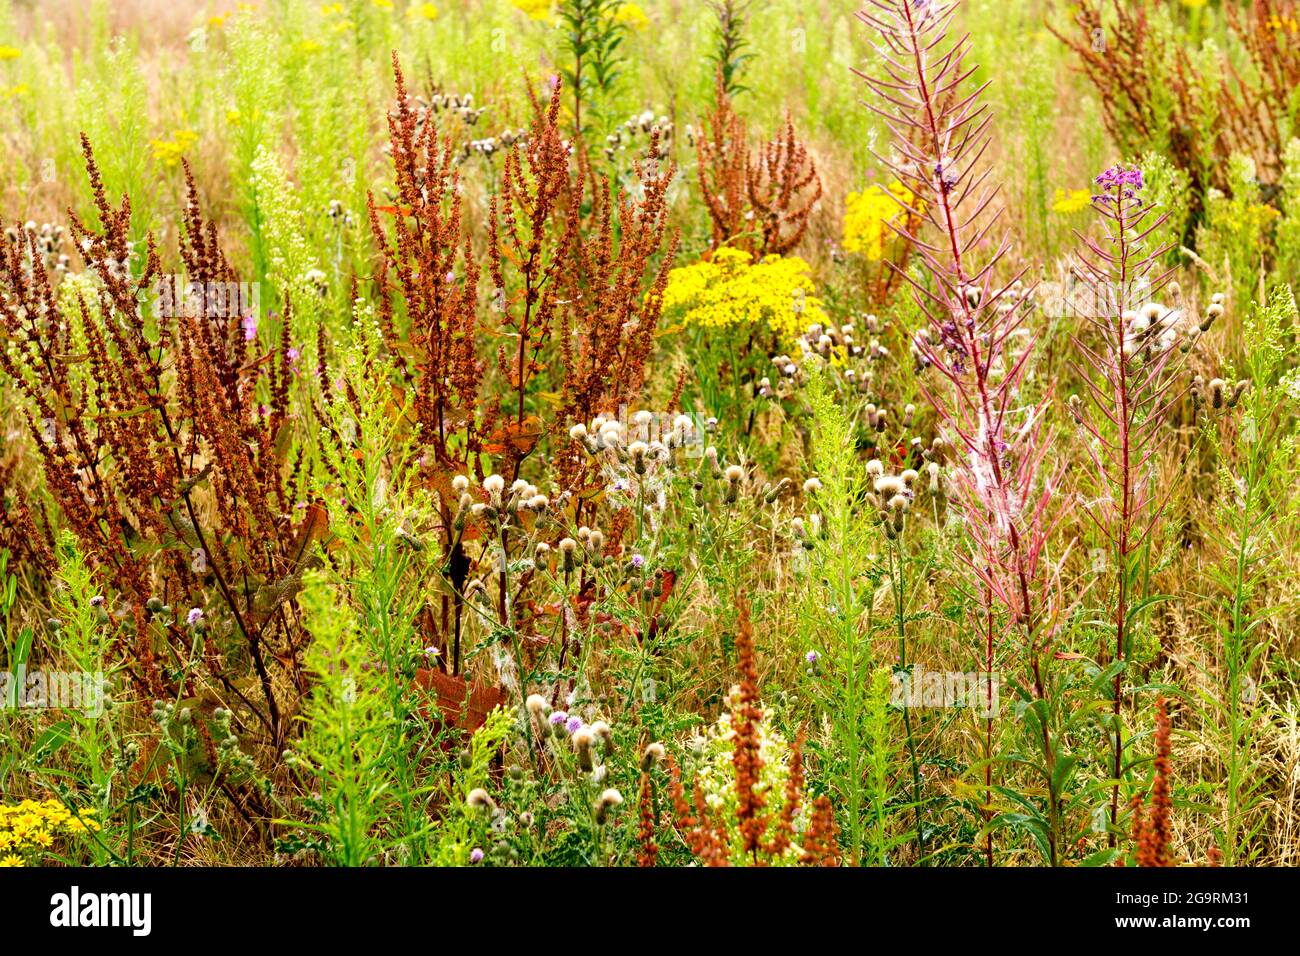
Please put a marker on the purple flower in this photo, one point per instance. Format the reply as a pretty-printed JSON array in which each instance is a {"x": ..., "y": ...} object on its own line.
[
  {"x": 811, "y": 657},
  {"x": 1119, "y": 181},
  {"x": 476, "y": 855},
  {"x": 194, "y": 617},
  {"x": 249, "y": 323},
  {"x": 558, "y": 716},
  {"x": 573, "y": 724},
  {"x": 638, "y": 561}
]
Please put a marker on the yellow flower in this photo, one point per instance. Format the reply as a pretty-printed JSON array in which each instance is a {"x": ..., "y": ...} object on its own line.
[
  {"x": 731, "y": 289},
  {"x": 218, "y": 22},
  {"x": 170, "y": 151},
  {"x": 1194, "y": 4},
  {"x": 308, "y": 46},
  {"x": 1072, "y": 201},
  {"x": 233, "y": 117},
  {"x": 536, "y": 9},
  {"x": 425, "y": 11},
  {"x": 867, "y": 216},
  {"x": 10, "y": 53},
  {"x": 12, "y": 92},
  {"x": 12, "y": 860},
  {"x": 632, "y": 15},
  {"x": 383, "y": 4},
  {"x": 343, "y": 26},
  {"x": 331, "y": 9}
]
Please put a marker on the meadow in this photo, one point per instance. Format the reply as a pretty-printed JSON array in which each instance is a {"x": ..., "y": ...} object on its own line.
[{"x": 530, "y": 433}]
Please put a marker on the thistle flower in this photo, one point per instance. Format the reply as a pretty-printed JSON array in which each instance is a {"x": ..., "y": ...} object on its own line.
[
  {"x": 609, "y": 799},
  {"x": 568, "y": 553},
  {"x": 582, "y": 741},
  {"x": 653, "y": 754},
  {"x": 480, "y": 799}
]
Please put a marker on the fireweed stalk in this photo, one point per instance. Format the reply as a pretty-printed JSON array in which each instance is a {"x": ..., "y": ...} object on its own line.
[
  {"x": 940, "y": 135},
  {"x": 1130, "y": 391}
]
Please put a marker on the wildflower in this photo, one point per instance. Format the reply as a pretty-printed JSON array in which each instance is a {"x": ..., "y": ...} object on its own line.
[
  {"x": 868, "y": 215},
  {"x": 609, "y": 799},
  {"x": 249, "y": 325},
  {"x": 170, "y": 151},
  {"x": 536, "y": 9},
  {"x": 1075, "y": 200},
  {"x": 480, "y": 799},
  {"x": 494, "y": 485},
  {"x": 573, "y": 724},
  {"x": 602, "y": 730},
  {"x": 423, "y": 11},
  {"x": 633, "y": 16},
  {"x": 476, "y": 855},
  {"x": 194, "y": 617},
  {"x": 568, "y": 552},
  {"x": 536, "y": 704},
  {"x": 558, "y": 717},
  {"x": 812, "y": 486},
  {"x": 10, "y": 53},
  {"x": 654, "y": 753},
  {"x": 1119, "y": 182},
  {"x": 582, "y": 741},
  {"x": 812, "y": 657},
  {"x": 732, "y": 289}
]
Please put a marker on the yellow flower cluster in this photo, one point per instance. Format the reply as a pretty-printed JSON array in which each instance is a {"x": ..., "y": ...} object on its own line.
[
  {"x": 536, "y": 9},
  {"x": 1283, "y": 24},
  {"x": 10, "y": 53},
  {"x": 169, "y": 151},
  {"x": 868, "y": 214},
  {"x": 731, "y": 288},
  {"x": 29, "y": 827},
  {"x": 631, "y": 15},
  {"x": 1071, "y": 201}
]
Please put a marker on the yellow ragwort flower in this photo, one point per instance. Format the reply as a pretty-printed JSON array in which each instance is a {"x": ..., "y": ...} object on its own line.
[
  {"x": 536, "y": 9},
  {"x": 1072, "y": 201},
  {"x": 731, "y": 289},
  {"x": 867, "y": 216}
]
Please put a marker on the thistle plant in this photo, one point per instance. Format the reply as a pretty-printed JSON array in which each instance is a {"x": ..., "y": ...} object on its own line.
[{"x": 976, "y": 341}]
